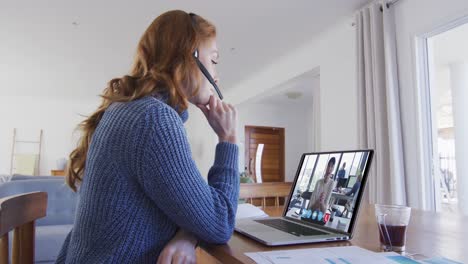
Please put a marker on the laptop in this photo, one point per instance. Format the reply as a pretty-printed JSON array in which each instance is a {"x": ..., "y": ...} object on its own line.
[{"x": 316, "y": 209}]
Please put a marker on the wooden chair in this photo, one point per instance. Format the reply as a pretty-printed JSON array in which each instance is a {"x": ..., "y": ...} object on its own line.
[
  {"x": 19, "y": 213},
  {"x": 265, "y": 190}
]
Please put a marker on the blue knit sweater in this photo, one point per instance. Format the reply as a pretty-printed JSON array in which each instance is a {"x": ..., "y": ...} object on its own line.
[{"x": 141, "y": 184}]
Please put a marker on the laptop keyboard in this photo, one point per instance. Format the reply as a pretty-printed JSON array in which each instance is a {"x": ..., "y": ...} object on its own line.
[{"x": 291, "y": 228}]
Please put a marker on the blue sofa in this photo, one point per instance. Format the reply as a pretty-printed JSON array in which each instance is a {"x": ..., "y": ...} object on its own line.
[
  {"x": 61, "y": 204},
  {"x": 20, "y": 177}
]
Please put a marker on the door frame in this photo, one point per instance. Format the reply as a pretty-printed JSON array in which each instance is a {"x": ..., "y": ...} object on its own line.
[{"x": 282, "y": 157}]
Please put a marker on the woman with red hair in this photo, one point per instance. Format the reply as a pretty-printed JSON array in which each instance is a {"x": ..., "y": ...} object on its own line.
[{"x": 141, "y": 196}]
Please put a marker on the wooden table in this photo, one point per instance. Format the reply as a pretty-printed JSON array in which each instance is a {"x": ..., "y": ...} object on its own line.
[
  {"x": 57, "y": 172},
  {"x": 429, "y": 234}
]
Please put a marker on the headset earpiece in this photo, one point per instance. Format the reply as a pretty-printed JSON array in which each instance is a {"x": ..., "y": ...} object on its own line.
[{"x": 207, "y": 74}]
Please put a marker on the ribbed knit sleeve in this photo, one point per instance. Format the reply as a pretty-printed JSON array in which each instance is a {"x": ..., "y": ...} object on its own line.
[{"x": 170, "y": 177}]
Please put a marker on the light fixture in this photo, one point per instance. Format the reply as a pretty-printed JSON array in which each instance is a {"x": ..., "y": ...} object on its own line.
[{"x": 293, "y": 95}]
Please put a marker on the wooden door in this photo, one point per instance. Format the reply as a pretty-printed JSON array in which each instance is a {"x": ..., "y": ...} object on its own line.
[{"x": 272, "y": 164}]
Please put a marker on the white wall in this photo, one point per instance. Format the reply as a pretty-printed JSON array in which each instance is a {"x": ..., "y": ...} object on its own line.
[
  {"x": 297, "y": 122},
  {"x": 292, "y": 118},
  {"x": 58, "y": 117},
  {"x": 414, "y": 18},
  {"x": 314, "y": 116},
  {"x": 333, "y": 51}
]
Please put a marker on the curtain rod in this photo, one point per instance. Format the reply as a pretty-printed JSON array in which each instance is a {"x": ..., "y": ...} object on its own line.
[
  {"x": 388, "y": 5},
  {"x": 392, "y": 3}
]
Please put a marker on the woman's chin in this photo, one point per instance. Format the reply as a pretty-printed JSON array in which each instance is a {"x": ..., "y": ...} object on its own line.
[
  {"x": 205, "y": 100},
  {"x": 199, "y": 101}
]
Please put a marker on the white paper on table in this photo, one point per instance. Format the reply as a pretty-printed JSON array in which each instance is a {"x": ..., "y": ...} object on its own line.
[
  {"x": 348, "y": 254},
  {"x": 247, "y": 210},
  {"x": 388, "y": 254},
  {"x": 439, "y": 260}
]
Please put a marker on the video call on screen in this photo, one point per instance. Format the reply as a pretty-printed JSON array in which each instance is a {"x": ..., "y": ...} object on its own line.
[{"x": 327, "y": 188}]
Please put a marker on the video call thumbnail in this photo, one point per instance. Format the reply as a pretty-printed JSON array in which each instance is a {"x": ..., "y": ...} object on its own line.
[{"x": 327, "y": 188}]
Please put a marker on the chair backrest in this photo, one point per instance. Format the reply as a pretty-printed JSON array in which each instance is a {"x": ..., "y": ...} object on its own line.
[
  {"x": 265, "y": 190},
  {"x": 19, "y": 213},
  {"x": 62, "y": 200}
]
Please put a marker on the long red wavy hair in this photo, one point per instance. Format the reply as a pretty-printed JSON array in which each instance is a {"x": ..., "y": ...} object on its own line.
[{"x": 163, "y": 65}]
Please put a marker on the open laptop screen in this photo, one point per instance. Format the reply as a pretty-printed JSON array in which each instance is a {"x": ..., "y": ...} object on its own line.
[{"x": 328, "y": 188}]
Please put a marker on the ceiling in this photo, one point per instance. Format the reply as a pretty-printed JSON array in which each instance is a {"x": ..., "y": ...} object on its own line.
[
  {"x": 72, "y": 48},
  {"x": 304, "y": 86},
  {"x": 450, "y": 46}
]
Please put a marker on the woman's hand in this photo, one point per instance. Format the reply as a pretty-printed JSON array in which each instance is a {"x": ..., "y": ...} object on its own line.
[
  {"x": 222, "y": 117},
  {"x": 180, "y": 250}
]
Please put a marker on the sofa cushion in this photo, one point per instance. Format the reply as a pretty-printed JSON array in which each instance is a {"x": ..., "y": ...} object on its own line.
[
  {"x": 5, "y": 178},
  {"x": 49, "y": 241},
  {"x": 51, "y": 230},
  {"x": 61, "y": 201}
]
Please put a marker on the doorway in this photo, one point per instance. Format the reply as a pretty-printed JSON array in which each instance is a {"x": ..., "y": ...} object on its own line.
[
  {"x": 443, "y": 64},
  {"x": 264, "y": 153}
]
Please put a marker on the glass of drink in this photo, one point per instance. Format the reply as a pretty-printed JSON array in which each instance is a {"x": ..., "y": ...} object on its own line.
[{"x": 392, "y": 221}]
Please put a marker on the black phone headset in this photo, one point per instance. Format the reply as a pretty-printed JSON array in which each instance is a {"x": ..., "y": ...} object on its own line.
[{"x": 202, "y": 67}]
